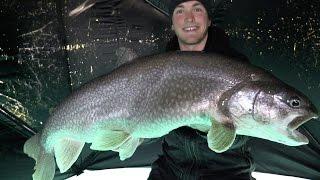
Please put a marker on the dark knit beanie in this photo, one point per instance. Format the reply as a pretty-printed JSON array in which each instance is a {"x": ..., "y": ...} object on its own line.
[{"x": 172, "y": 4}]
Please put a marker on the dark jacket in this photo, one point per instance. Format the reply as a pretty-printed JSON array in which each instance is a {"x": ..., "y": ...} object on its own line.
[{"x": 185, "y": 150}]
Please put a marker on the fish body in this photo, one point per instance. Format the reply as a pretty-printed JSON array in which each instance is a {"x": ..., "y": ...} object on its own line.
[{"x": 151, "y": 96}]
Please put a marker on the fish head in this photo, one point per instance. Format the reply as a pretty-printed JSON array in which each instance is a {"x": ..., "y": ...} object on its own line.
[{"x": 275, "y": 112}]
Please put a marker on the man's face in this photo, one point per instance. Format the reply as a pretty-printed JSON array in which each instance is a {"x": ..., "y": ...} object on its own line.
[{"x": 190, "y": 22}]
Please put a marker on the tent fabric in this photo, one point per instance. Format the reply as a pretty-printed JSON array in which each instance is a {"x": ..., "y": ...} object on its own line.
[{"x": 46, "y": 52}]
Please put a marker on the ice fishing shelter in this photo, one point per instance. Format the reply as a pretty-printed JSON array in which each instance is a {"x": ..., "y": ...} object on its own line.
[{"x": 50, "y": 48}]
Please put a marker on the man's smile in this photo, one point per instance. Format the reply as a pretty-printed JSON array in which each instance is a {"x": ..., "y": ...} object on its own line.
[{"x": 190, "y": 28}]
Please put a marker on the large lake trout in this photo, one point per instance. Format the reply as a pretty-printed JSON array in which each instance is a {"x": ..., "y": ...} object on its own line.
[{"x": 151, "y": 96}]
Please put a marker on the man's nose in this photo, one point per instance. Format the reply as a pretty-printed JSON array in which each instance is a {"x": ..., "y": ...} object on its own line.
[{"x": 189, "y": 17}]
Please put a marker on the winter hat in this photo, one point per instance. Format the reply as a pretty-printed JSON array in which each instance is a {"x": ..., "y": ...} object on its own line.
[{"x": 172, "y": 4}]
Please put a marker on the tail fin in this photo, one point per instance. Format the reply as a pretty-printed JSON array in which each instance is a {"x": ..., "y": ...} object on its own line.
[{"x": 45, "y": 164}]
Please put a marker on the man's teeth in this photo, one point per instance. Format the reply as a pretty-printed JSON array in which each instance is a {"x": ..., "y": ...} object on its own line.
[{"x": 190, "y": 28}]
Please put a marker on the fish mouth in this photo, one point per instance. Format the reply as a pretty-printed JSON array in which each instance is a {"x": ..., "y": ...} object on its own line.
[
  {"x": 298, "y": 121},
  {"x": 298, "y": 138},
  {"x": 296, "y": 135}
]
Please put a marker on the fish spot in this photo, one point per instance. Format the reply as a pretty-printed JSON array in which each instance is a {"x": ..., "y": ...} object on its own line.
[{"x": 254, "y": 77}]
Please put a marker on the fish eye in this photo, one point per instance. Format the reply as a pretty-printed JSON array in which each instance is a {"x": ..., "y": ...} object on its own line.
[{"x": 294, "y": 102}]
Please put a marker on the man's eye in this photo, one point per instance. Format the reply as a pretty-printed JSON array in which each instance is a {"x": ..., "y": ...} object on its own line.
[
  {"x": 179, "y": 11},
  {"x": 198, "y": 10}
]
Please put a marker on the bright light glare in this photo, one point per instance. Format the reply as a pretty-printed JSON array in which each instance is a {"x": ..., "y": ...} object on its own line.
[{"x": 143, "y": 173}]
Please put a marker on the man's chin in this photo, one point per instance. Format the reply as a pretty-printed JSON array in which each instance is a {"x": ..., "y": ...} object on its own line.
[{"x": 191, "y": 41}]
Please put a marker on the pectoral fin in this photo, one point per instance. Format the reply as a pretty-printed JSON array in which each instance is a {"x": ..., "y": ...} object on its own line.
[
  {"x": 114, "y": 140},
  {"x": 67, "y": 152},
  {"x": 221, "y": 136},
  {"x": 127, "y": 149},
  {"x": 108, "y": 140}
]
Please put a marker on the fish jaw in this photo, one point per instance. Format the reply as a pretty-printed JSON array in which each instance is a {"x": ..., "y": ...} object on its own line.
[
  {"x": 298, "y": 121},
  {"x": 289, "y": 137},
  {"x": 273, "y": 132},
  {"x": 283, "y": 136},
  {"x": 296, "y": 137},
  {"x": 290, "y": 134}
]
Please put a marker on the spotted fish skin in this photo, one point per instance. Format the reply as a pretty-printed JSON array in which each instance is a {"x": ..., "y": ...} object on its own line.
[
  {"x": 151, "y": 96},
  {"x": 144, "y": 91}
]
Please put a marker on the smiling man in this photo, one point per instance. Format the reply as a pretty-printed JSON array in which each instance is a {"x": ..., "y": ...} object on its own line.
[{"x": 190, "y": 22}]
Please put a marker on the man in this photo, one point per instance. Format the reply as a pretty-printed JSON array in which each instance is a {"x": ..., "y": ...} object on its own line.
[
  {"x": 190, "y": 22},
  {"x": 194, "y": 32},
  {"x": 185, "y": 151}
]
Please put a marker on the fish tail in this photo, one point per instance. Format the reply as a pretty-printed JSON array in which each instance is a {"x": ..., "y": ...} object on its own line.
[{"x": 45, "y": 164}]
